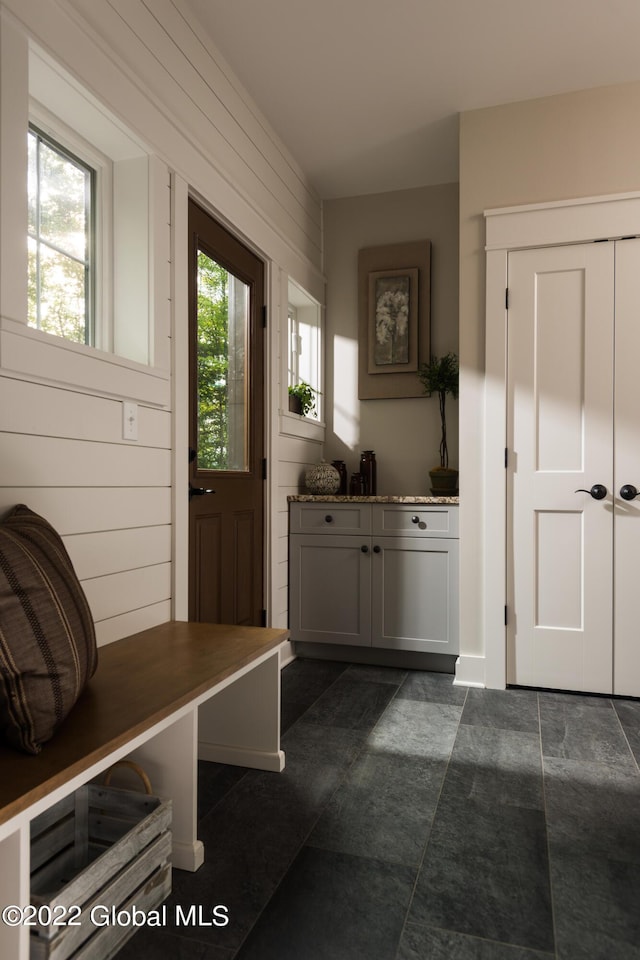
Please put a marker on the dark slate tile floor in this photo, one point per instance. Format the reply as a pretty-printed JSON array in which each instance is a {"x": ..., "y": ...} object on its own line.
[{"x": 416, "y": 820}]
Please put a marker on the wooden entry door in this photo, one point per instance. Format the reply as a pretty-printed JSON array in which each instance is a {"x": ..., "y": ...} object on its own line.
[
  {"x": 226, "y": 430},
  {"x": 574, "y": 537}
]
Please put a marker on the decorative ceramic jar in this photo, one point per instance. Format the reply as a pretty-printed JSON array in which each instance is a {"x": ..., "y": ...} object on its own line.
[{"x": 322, "y": 479}]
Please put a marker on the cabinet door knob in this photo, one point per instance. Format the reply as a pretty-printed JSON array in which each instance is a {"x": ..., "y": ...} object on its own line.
[
  {"x": 629, "y": 492},
  {"x": 377, "y": 549},
  {"x": 364, "y": 548},
  {"x": 328, "y": 518}
]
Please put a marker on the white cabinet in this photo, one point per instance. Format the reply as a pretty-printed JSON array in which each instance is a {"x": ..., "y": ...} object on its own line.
[{"x": 374, "y": 574}]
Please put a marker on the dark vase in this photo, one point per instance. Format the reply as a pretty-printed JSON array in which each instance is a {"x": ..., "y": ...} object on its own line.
[
  {"x": 369, "y": 472},
  {"x": 356, "y": 487},
  {"x": 341, "y": 467}
]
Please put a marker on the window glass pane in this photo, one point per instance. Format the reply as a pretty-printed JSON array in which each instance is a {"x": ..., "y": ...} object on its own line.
[
  {"x": 60, "y": 284},
  {"x": 62, "y": 202},
  {"x": 32, "y": 282},
  {"x": 222, "y": 335},
  {"x": 62, "y": 295},
  {"x": 33, "y": 182}
]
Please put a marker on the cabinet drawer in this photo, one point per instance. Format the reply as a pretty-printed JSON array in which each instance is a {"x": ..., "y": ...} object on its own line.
[
  {"x": 414, "y": 520},
  {"x": 330, "y": 518}
]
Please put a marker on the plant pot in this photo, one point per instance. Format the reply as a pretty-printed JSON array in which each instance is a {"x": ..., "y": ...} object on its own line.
[
  {"x": 444, "y": 482},
  {"x": 295, "y": 405}
]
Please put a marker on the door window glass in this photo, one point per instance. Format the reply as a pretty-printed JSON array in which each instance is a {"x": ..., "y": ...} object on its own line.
[{"x": 222, "y": 363}]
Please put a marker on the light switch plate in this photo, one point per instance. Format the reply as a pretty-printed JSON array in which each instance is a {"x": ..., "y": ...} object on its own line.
[{"x": 129, "y": 421}]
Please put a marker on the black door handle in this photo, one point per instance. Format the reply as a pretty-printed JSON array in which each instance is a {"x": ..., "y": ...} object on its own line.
[
  {"x": 629, "y": 492},
  {"x": 598, "y": 491},
  {"x": 198, "y": 491}
]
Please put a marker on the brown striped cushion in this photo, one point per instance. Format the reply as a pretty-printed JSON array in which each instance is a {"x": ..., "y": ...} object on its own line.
[{"x": 47, "y": 638}]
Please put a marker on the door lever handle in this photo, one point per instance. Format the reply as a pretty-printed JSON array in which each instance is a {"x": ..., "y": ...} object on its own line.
[
  {"x": 198, "y": 491},
  {"x": 598, "y": 491},
  {"x": 629, "y": 492}
]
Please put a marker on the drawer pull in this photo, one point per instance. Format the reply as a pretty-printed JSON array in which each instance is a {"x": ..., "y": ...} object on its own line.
[
  {"x": 415, "y": 519},
  {"x": 328, "y": 518},
  {"x": 364, "y": 548}
]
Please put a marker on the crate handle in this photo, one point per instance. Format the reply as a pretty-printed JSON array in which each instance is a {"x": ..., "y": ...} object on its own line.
[{"x": 132, "y": 765}]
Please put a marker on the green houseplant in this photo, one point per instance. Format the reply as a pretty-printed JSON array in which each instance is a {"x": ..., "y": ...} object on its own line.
[
  {"x": 440, "y": 377},
  {"x": 301, "y": 399}
]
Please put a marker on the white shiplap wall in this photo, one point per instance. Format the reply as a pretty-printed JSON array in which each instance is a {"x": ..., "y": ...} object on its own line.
[{"x": 61, "y": 446}]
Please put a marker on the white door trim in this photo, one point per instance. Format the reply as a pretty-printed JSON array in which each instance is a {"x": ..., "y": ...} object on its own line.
[{"x": 513, "y": 228}]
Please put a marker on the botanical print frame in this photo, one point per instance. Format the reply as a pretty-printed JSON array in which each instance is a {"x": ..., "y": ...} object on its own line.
[
  {"x": 394, "y": 288},
  {"x": 393, "y": 321}
]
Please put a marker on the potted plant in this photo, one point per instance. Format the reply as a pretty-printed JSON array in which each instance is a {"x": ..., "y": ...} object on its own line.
[
  {"x": 440, "y": 376},
  {"x": 301, "y": 399}
]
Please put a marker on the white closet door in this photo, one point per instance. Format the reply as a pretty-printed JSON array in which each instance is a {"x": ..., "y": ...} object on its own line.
[
  {"x": 560, "y": 383},
  {"x": 626, "y": 656}
]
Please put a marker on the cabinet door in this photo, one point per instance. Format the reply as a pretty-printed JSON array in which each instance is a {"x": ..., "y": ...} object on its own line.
[
  {"x": 415, "y": 594},
  {"x": 330, "y": 589}
]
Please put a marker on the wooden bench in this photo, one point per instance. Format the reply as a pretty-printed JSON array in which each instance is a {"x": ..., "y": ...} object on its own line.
[{"x": 165, "y": 697}]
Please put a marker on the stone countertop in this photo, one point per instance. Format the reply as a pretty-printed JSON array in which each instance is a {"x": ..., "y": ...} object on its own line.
[{"x": 308, "y": 498}]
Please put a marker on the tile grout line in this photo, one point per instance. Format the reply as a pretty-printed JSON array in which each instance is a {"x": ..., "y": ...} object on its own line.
[
  {"x": 546, "y": 829},
  {"x": 303, "y": 843},
  {"x": 428, "y": 837},
  {"x": 626, "y": 739}
]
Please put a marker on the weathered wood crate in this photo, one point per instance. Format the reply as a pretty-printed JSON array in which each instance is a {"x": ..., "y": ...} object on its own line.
[{"x": 98, "y": 848}]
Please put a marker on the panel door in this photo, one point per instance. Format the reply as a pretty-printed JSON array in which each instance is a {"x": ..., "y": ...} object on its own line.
[
  {"x": 560, "y": 438},
  {"x": 415, "y": 594},
  {"x": 330, "y": 589},
  {"x": 626, "y": 656},
  {"x": 226, "y": 430}
]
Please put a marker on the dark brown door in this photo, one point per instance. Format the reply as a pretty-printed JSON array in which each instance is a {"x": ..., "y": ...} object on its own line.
[{"x": 226, "y": 300}]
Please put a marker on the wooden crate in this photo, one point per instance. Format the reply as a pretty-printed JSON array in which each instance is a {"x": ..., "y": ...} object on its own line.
[{"x": 100, "y": 846}]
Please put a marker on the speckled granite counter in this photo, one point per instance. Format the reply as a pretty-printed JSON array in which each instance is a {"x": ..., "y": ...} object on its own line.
[{"x": 308, "y": 498}]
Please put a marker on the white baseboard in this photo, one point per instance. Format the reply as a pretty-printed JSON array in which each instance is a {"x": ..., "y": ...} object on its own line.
[
  {"x": 187, "y": 856},
  {"x": 469, "y": 671},
  {"x": 241, "y": 757}
]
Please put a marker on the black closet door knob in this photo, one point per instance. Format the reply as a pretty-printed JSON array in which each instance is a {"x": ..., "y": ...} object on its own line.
[
  {"x": 598, "y": 491},
  {"x": 629, "y": 492}
]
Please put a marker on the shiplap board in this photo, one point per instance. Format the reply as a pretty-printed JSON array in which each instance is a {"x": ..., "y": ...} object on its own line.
[
  {"x": 196, "y": 90},
  {"x": 55, "y": 462},
  {"x": 73, "y": 510},
  {"x": 159, "y": 72},
  {"x": 34, "y": 408},
  {"x": 143, "y": 618},
  {"x": 49, "y": 359},
  {"x": 112, "y": 551},
  {"x": 128, "y": 590},
  {"x": 281, "y": 552}
]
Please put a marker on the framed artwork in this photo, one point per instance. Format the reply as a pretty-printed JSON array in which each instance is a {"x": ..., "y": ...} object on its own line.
[{"x": 394, "y": 285}]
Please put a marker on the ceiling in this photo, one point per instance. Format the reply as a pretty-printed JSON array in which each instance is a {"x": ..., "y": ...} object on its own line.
[{"x": 365, "y": 93}]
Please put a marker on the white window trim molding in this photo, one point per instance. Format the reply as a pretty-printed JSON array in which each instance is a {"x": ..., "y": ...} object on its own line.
[{"x": 507, "y": 229}]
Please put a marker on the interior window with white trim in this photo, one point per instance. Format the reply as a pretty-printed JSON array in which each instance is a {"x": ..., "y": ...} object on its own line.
[
  {"x": 305, "y": 346},
  {"x": 61, "y": 232}
]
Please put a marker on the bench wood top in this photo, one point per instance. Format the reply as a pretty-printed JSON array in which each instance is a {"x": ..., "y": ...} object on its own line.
[{"x": 139, "y": 682}]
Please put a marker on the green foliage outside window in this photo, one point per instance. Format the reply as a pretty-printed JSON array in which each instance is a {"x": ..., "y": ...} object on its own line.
[
  {"x": 213, "y": 364},
  {"x": 60, "y": 198}
]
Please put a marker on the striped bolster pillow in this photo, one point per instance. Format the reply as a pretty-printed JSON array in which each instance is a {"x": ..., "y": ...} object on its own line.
[{"x": 47, "y": 637}]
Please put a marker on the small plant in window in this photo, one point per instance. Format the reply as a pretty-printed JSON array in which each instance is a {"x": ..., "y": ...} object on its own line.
[{"x": 302, "y": 399}]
